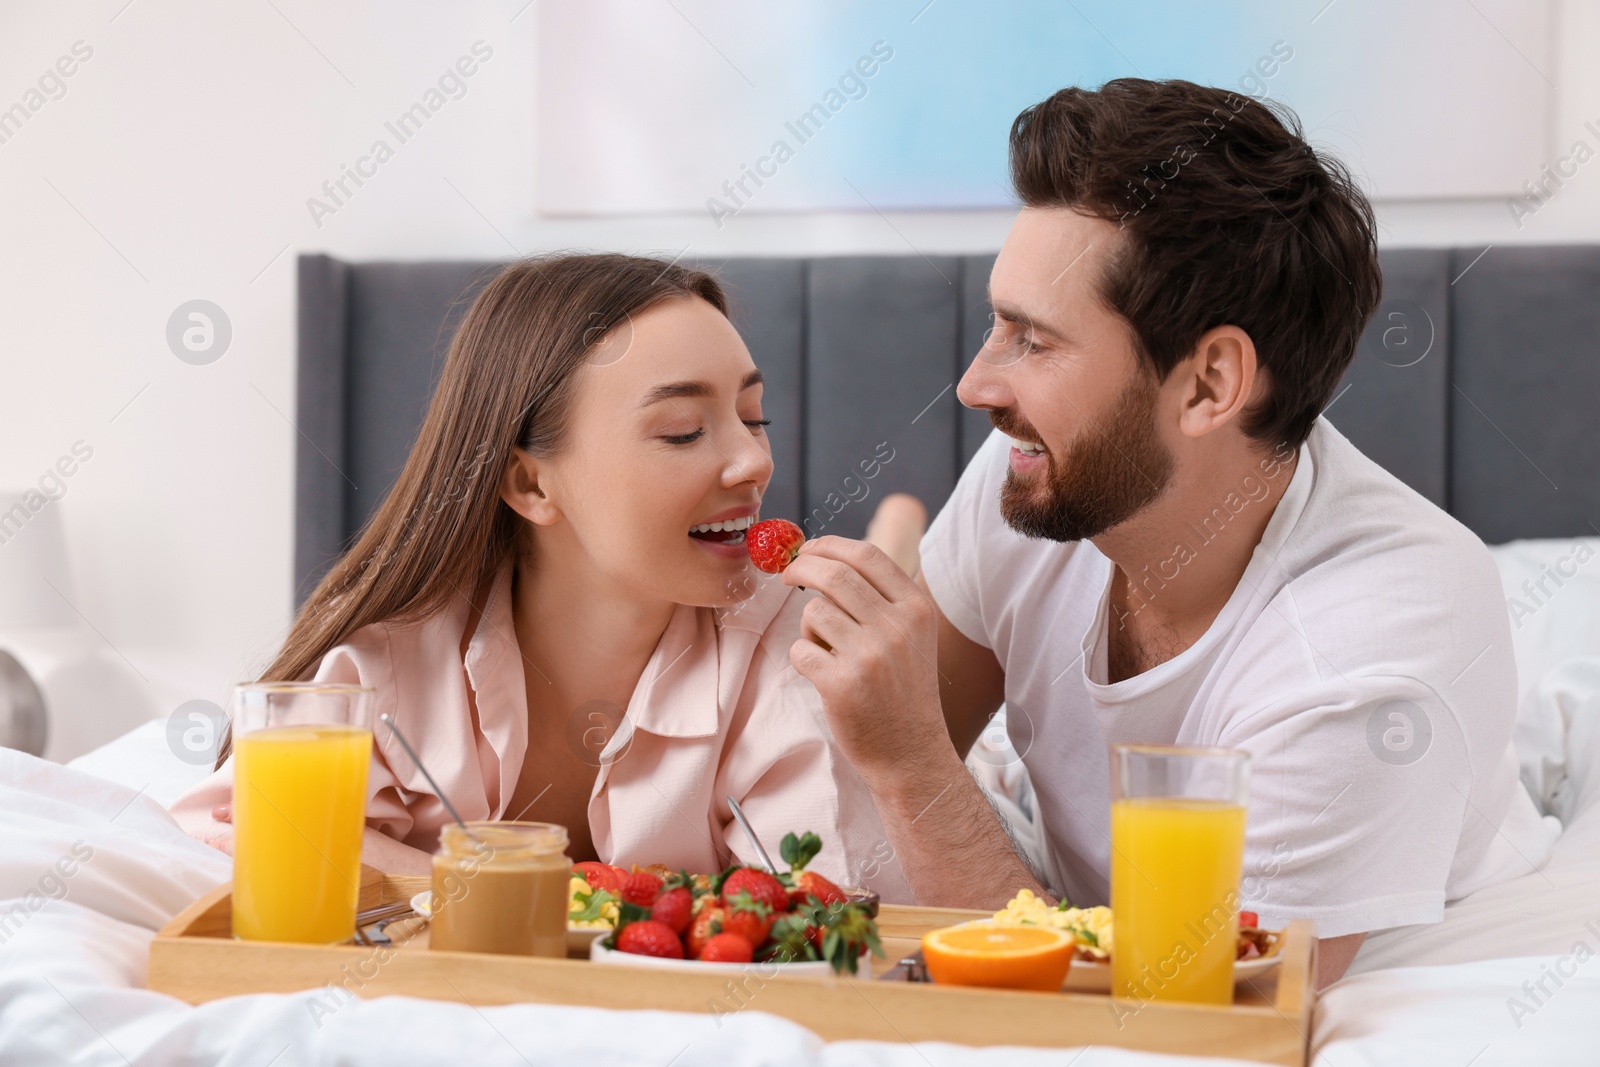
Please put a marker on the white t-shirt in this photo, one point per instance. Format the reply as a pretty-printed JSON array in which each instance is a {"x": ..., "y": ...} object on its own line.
[{"x": 1364, "y": 660}]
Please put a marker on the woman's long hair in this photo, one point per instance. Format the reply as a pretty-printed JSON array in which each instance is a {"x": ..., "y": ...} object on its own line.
[{"x": 507, "y": 383}]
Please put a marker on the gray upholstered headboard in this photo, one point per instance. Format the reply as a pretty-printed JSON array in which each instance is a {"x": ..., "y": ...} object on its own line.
[{"x": 1477, "y": 383}]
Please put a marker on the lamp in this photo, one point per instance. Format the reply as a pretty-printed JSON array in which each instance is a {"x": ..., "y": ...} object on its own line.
[
  {"x": 61, "y": 694},
  {"x": 32, "y": 556},
  {"x": 24, "y": 723}
]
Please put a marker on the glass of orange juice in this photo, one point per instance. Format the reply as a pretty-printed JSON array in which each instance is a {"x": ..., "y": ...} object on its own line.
[
  {"x": 301, "y": 751},
  {"x": 1177, "y": 847}
]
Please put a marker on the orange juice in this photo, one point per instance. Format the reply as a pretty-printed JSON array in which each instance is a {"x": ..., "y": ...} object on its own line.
[
  {"x": 299, "y": 811},
  {"x": 1175, "y": 866}
]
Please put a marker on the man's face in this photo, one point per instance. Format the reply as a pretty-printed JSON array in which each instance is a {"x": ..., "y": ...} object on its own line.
[{"x": 1059, "y": 374}]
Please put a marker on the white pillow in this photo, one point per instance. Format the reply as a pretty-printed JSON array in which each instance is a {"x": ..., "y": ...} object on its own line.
[
  {"x": 1552, "y": 592},
  {"x": 1567, "y": 699}
]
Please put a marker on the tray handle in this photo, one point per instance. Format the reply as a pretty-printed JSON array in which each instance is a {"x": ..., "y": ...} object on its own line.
[{"x": 1297, "y": 974}]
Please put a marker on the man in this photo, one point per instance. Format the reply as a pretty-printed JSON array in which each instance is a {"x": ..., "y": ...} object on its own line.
[{"x": 1164, "y": 542}]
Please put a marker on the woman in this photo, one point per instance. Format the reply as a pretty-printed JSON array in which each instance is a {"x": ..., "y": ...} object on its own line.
[{"x": 555, "y": 602}]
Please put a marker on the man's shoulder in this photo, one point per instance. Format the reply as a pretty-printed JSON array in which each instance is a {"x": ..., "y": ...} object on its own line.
[
  {"x": 1376, "y": 579},
  {"x": 1361, "y": 515}
]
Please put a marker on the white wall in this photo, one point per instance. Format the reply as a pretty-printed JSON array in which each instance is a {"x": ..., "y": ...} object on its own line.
[{"x": 178, "y": 165}]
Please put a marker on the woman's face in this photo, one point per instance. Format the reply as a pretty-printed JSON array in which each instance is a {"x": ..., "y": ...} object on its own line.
[{"x": 665, "y": 438}]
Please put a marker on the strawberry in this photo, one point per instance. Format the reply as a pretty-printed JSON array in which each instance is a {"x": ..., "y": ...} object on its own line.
[
  {"x": 798, "y": 851},
  {"x": 650, "y": 938},
  {"x": 641, "y": 888},
  {"x": 706, "y": 924},
  {"x": 1248, "y": 920},
  {"x": 809, "y": 884},
  {"x": 673, "y": 909},
  {"x": 773, "y": 544},
  {"x": 790, "y": 941},
  {"x": 841, "y": 934},
  {"x": 762, "y": 887},
  {"x": 726, "y": 948},
  {"x": 749, "y": 918},
  {"x": 601, "y": 875}
]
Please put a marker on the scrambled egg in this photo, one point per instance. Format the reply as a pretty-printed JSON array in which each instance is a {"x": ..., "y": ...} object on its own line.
[
  {"x": 605, "y": 920},
  {"x": 1091, "y": 926}
]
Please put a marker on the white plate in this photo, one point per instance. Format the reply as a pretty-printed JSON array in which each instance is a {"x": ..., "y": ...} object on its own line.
[
  {"x": 1096, "y": 977},
  {"x": 579, "y": 938},
  {"x": 598, "y": 953}
]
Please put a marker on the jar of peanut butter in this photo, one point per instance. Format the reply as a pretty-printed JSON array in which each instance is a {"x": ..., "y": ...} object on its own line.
[{"x": 501, "y": 887}]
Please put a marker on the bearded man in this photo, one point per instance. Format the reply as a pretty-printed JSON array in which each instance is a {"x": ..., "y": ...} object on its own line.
[{"x": 1164, "y": 542}]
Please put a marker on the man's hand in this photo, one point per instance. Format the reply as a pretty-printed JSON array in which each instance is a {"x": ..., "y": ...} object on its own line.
[{"x": 870, "y": 646}]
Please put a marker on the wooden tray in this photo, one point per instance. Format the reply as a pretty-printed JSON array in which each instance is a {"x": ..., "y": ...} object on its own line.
[{"x": 195, "y": 958}]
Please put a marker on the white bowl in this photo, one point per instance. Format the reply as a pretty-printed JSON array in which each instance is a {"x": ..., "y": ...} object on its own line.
[{"x": 598, "y": 953}]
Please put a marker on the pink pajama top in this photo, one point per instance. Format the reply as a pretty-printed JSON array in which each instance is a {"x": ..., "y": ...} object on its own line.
[{"x": 718, "y": 711}]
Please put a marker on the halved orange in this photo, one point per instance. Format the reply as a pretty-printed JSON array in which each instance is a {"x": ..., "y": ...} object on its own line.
[{"x": 1010, "y": 957}]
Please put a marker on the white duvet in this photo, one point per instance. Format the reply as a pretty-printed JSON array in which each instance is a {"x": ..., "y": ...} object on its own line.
[{"x": 89, "y": 870}]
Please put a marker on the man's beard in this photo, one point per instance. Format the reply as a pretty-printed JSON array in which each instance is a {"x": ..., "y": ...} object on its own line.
[{"x": 1114, "y": 468}]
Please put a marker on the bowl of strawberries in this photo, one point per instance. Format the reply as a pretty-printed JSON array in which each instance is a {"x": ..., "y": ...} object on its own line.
[{"x": 796, "y": 922}]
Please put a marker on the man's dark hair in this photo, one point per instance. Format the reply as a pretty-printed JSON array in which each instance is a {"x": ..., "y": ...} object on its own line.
[{"x": 1228, "y": 218}]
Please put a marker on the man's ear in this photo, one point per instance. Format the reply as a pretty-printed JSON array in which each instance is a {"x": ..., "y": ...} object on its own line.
[
  {"x": 1218, "y": 381},
  {"x": 520, "y": 489}
]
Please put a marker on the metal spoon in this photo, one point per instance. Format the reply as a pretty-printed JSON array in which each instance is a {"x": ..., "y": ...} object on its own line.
[
  {"x": 750, "y": 832},
  {"x": 400, "y": 737}
]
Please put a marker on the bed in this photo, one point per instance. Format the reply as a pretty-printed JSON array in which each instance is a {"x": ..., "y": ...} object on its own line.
[{"x": 1511, "y": 976}]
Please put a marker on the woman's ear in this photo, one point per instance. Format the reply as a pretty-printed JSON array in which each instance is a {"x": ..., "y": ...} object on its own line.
[
  {"x": 1218, "y": 381},
  {"x": 520, "y": 489}
]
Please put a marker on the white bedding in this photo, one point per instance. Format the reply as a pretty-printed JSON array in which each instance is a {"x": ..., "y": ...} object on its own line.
[{"x": 72, "y": 969}]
